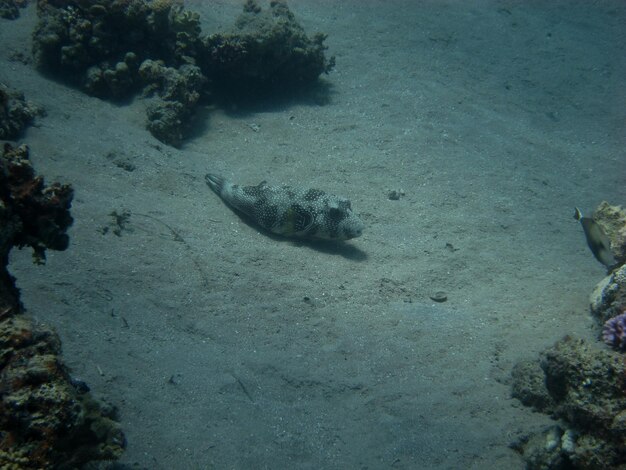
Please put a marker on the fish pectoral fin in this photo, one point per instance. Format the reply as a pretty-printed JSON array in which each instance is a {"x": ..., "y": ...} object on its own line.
[
  {"x": 296, "y": 221},
  {"x": 304, "y": 222}
]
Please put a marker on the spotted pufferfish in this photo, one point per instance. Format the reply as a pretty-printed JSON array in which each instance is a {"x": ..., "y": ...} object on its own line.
[{"x": 291, "y": 212}]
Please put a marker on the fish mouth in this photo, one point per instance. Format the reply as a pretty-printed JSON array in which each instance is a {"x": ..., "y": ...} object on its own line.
[{"x": 353, "y": 233}]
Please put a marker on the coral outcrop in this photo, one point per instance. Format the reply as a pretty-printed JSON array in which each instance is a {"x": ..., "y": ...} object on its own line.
[
  {"x": 585, "y": 389},
  {"x": 177, "y": 94},
  {"x": 47, "y": 419},
  {"x": 608, "y": 299},
  {"x": 15, "y": 113},
  {"x": 582, "y": 385},
  {"x": 112, "y": 49},
  {"x": 99, "y": 46},
  {"x": 265, "y": 49},
  {"x": 10, "y": 9},
  {"x": 106, "y": 47}
]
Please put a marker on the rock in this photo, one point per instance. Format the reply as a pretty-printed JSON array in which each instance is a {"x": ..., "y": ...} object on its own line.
[
  {"x": 98, "y": 47},
  {"x": 265, "y": 50},
  {"x": 583, "y": 387},
  {"x": 608, "y": 298},
  {"x": 10, "y": 9},
  {"x": 15, "y": 113},
  {"x": 47, "y": 420}
]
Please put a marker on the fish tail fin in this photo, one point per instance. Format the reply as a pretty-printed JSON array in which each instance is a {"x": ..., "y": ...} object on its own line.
[{"x": 216, "y": 183}]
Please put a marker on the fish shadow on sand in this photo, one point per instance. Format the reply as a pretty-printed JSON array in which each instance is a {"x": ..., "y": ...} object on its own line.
[
  {"x": 330, "y": 247},
  {"x": 341, "y": 248}
]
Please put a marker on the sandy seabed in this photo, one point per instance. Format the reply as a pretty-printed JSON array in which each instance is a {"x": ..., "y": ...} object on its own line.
[{"x": 226, "y": 348}]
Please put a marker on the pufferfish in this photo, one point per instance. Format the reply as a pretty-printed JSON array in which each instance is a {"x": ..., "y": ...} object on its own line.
[{"x": 291, "y": 212}]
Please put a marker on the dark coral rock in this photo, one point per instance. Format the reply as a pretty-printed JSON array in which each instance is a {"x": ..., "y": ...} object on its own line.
[
  {"x": 609, "y": 297},
  {"x": 179, "y": 91},
  {"x": 15, "y": 113},
  {"x": 99, "y": 46},
  {"x": 31, "y": 214},
  {"x": 529, "y": 385},
  {"x": 544, "y": 450},
  {"x": 10, "y": 9},
  {"x": 42, "y": 211},
  {"x": 109, "y": 49},
  {"x": 115, "y": 81},
  {"x": 265, "y": 49},
  {"x": 587, "y": 393},
  {"x": 46, "y": 420},
  {"x": 42, "y": 415},
  {"x": 88, "y": 43},
  {"x": 184, "y": 84},
  {"x": 166, "y": 121},
  {"x": 588, "y": 385}
]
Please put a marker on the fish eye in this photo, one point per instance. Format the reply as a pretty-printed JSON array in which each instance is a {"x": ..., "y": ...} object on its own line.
[{"x": 335, "y": 214}]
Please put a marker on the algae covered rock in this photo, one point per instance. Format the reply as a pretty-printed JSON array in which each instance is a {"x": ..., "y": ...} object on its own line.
[
  {"x": 608, "y": 299},
  {"x": 99, "y": 45},
  {"x": 583, "y": 385},
  {"x": 265, "y": 49},
  {"x": 109, "y": 48},
  {"x": 41, "y": 211},
  {"x": 47, "y": 419},
  {"x": 529, "y": 385},
  {"x": 177, "y": 93},
  {"x": 546, "y": 450},
  {"x": 43, "y": 415},
  {"x": 585, "y": 389},
  {"x": 10, "y": 9}
]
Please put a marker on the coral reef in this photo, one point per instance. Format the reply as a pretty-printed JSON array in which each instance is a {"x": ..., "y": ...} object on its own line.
[
  {"x": 608, "y": 299},
  {"x": 10, "y": 9},
  {"x": 99, "y": 45},
  {"x": 106, "y": 47},
  {"x": 47, "y": 419},
  {"x": 111, "y": 49},
  {"x": 265, "y": 49},
  {"x": 179, "y": 91},
  {"x": 585, "y": 388},
  {"x": 582, "y": 385},
  {"x": 42, "y": 212},
  {"x": 15, "y": 113}
]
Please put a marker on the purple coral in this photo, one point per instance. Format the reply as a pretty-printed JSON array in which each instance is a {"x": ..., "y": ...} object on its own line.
[{"x": 614, "y": 332}]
